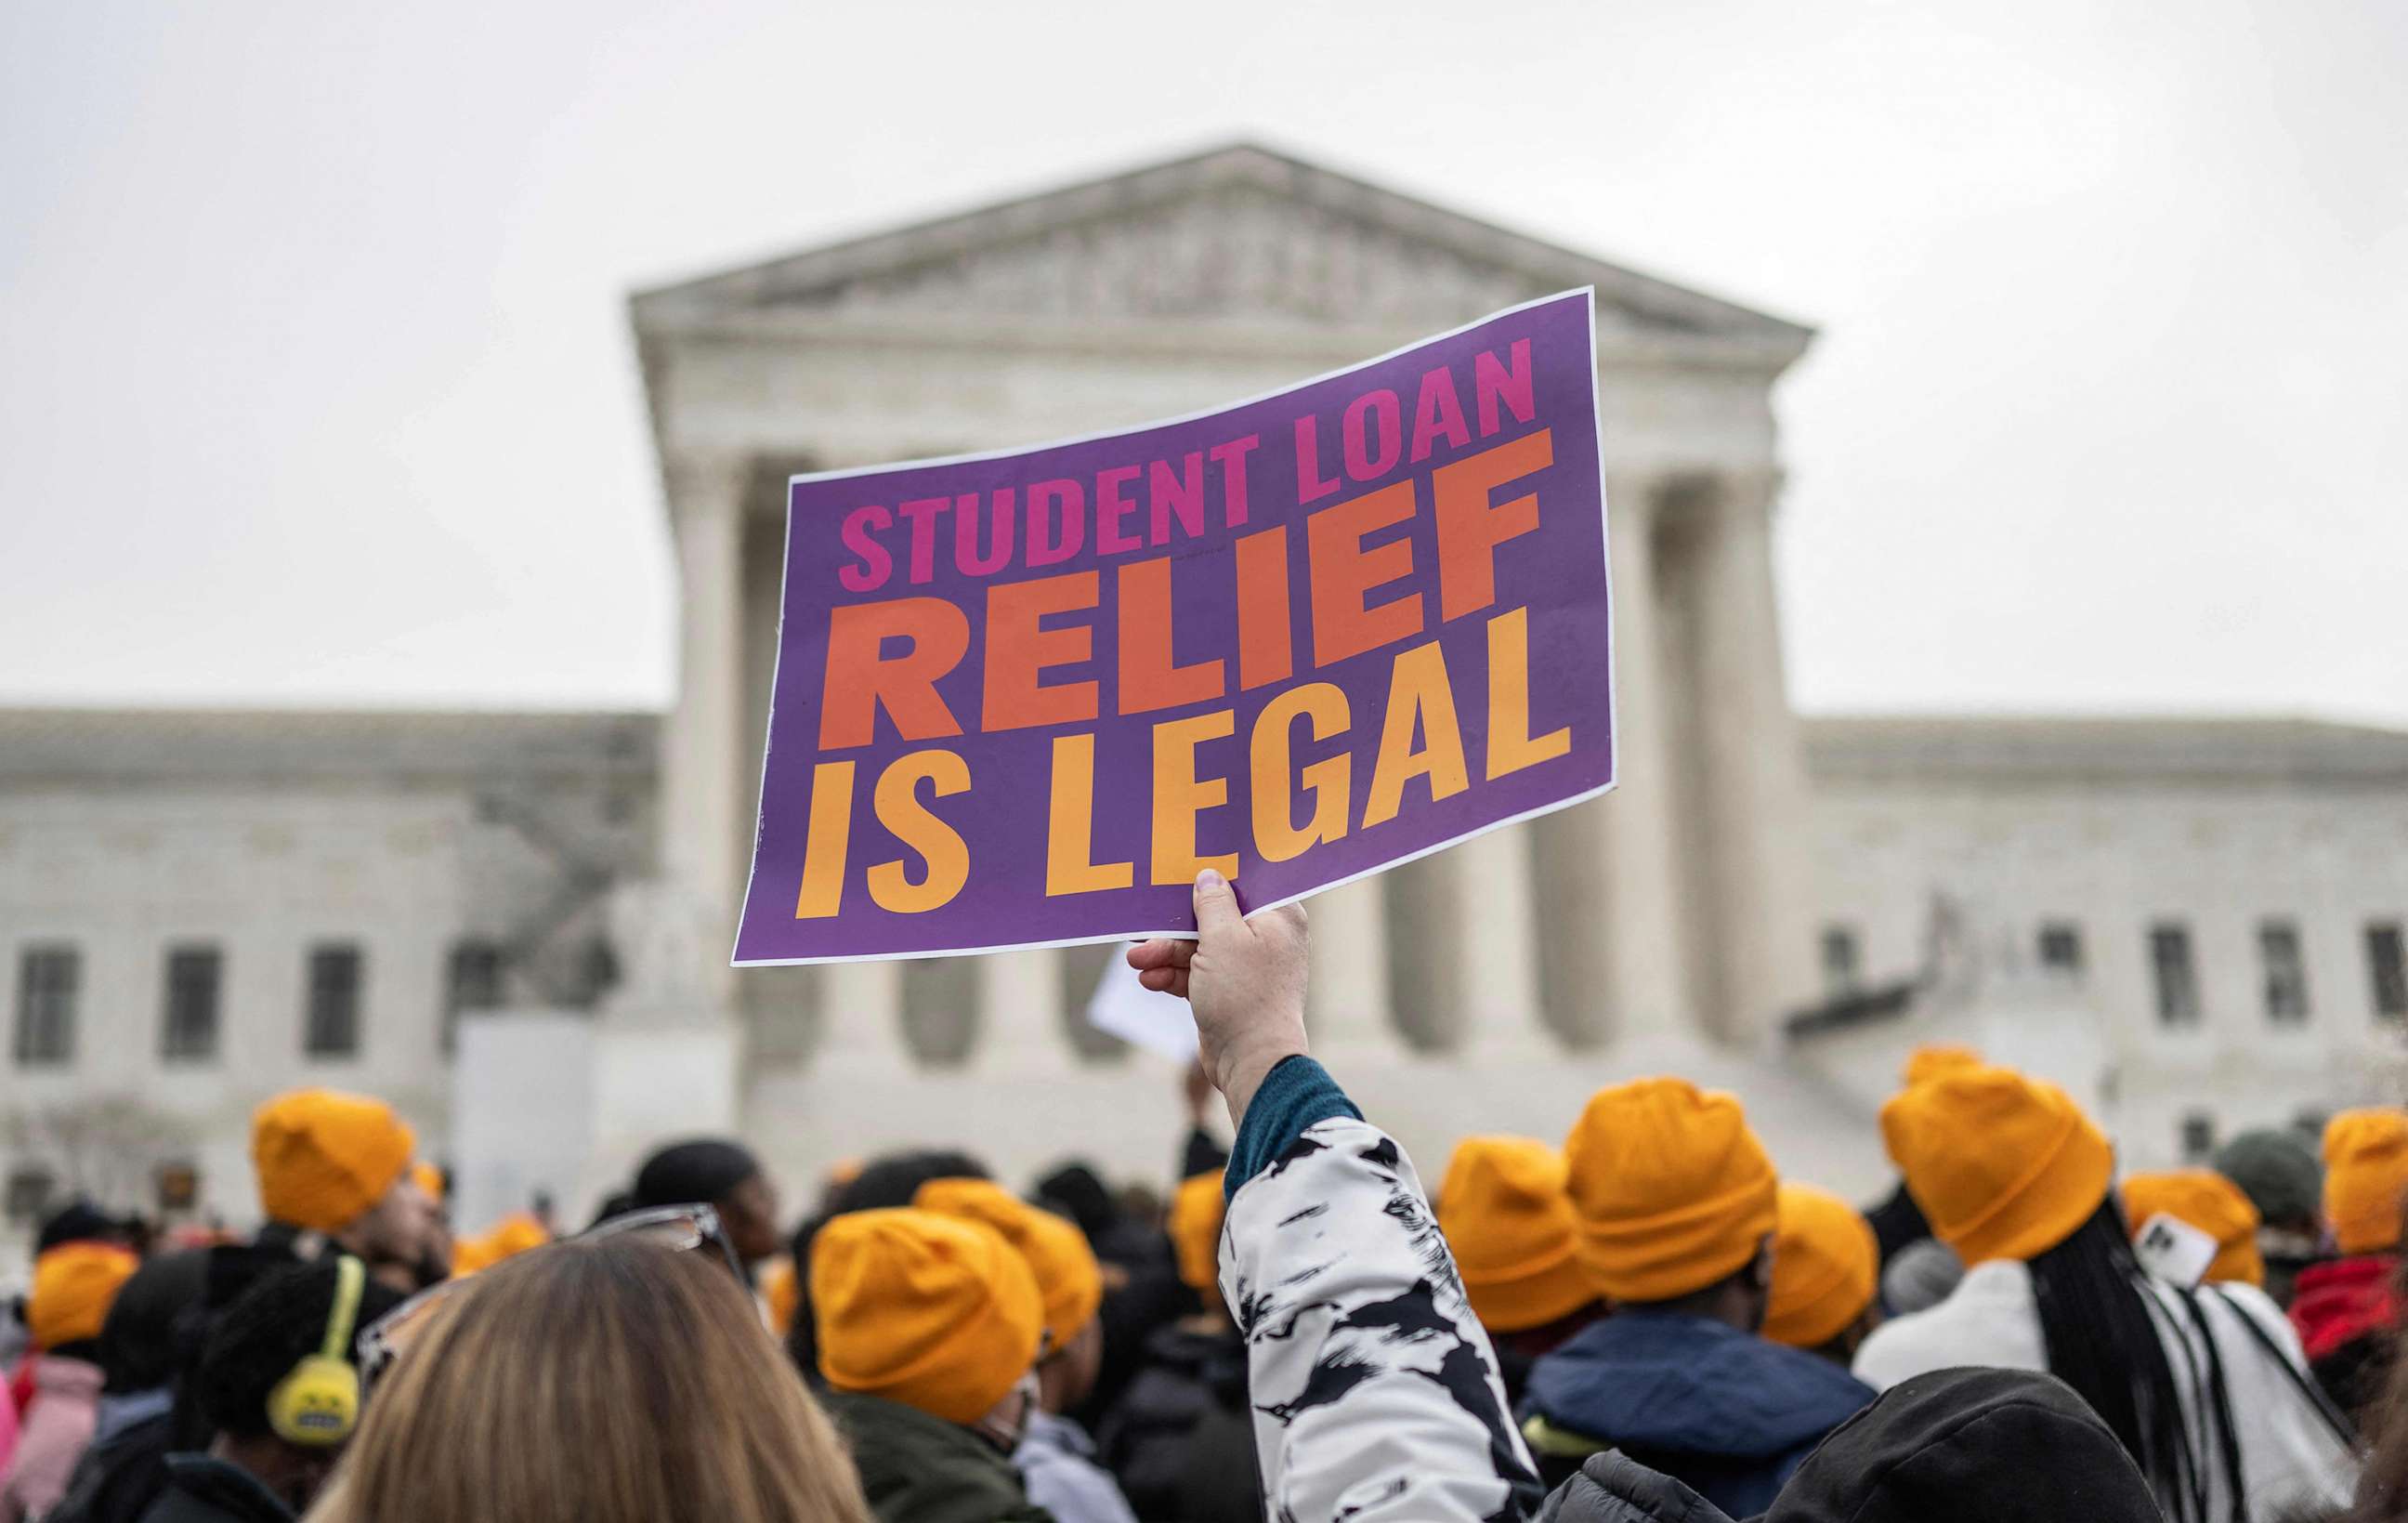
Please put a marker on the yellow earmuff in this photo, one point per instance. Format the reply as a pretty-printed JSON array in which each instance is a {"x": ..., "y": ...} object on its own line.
[{"x": 318, "y": 1405}]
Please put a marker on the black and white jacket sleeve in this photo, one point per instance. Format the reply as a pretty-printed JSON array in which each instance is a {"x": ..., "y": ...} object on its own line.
[{"x": 1375, "y": 1392}]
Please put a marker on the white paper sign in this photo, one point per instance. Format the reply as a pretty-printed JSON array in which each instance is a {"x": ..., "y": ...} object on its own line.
[
  {"x": 2174, "y": 1250},
  {"x": 1159, "y": 1023}
]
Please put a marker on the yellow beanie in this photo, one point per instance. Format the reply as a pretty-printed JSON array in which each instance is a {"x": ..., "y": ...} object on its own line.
[
  {"x": 932, "y": 1311},
  {"x": 2203, "y": 1198},
  {"x": 513, "y": 1235},
  {"x": 1506, "y": 1212},
  {"x": 1670, "y": 1189},
  {"x": 1933, "y": 1059},
  {"x": 2004, "y": 1166},
  {"x": 1069, "y": 1280},
  {"x": 1196, "y": 1209},
  {"x": 781, "y": 1289},
  {"x": 2366, "y": 1178},
  {"x": 1826, "y": 1267},
  {"x": 73, "y": 1285},
  {"x": 326, "y": 1157},
  {"x": 429, "y": 1180}
]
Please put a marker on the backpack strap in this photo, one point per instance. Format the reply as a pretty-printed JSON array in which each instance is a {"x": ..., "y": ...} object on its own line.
[{"x": 2334, "y": 1418}]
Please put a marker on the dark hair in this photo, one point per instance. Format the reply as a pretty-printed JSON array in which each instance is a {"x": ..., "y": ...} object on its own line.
[
  {"x": 139, "y": 1343},
  {"x": 894, "y": 1179},
  {"x": 706, "y": 1169},
  {"x": 1081, "y": 1195},
  {"x": 281, "y": 1320},
  {"x": 2099, "y": 1322},
  {"x": 80, "y": 1221}
]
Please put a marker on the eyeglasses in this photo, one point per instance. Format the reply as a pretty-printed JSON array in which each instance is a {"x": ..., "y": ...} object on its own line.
[{"x": 679, "y": 1228}]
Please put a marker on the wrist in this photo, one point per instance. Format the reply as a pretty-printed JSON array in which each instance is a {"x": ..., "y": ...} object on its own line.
[{"x": 1243, "y": 1073}]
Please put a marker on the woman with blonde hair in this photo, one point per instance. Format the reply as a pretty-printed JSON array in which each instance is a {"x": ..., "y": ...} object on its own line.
[{"x": 610, "y": 1379}]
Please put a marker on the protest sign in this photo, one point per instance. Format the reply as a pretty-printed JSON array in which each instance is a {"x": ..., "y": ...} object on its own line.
[{"x": 1022, "y": 699}]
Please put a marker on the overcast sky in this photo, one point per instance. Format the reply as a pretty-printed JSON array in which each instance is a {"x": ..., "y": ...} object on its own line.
[{"x": 316, "y": 387}]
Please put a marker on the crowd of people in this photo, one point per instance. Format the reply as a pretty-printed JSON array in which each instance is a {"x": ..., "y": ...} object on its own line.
[{"x": 1644, "y": 1323}]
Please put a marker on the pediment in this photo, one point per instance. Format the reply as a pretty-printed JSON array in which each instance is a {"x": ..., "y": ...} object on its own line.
[{"x": 1239, "y": 236}]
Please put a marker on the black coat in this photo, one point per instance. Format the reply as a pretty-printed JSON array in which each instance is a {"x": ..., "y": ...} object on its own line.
[
  {"x": 1181, "y": 1439},
  {"x": 203, "y": 1490}
]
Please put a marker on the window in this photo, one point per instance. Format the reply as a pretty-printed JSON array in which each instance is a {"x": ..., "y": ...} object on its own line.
[
  {"x": 332, "y": 1026},
  {"x": 189, "y": 1032},
  {"x": 2177, "y": 977},
  {"x": 29, "y": 1194},
  {"x": 2386, "y": 959},
  {"x": 46, "y": 977},
  {"x": 1841, "y": 960},
  {"x": 2286, "y": 973},
  {"x": 473, "y": 981},
  {"x": 2061, "y": 947},
  {"x": 2197, "y": 1135}
]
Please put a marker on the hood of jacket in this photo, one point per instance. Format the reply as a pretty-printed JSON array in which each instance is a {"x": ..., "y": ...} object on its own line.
[
  {"x": 1612, "y": 1488},
  {"x": 1686, "y": 1385},
  {"x": 916, "y": 1468},
  {"x": 2342, "y": 1300},
  {"x": 1972, "y": 1447}
]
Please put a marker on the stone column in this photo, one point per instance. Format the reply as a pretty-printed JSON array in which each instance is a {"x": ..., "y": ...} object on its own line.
[
  {"x": 701, "y": 832},
  {"x": 1605, "y": 899},
  {"x": 1751, "y": 770},
  {"x": 1346, "y": 1006},
  {"x": 1020, "y": 1018},
  {"x": 1498, "y": 938},
  {"x": 861, "y": 1022}
]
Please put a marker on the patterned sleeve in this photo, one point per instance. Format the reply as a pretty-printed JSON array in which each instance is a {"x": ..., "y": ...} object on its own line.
[{"x": 1375, "y": 1391}]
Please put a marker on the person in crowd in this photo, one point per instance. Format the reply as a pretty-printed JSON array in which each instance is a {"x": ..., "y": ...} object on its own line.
[
  {"x": 726, "y": 1176},
  {"x": 516, "y": 1233},
  {"x": 278, "y": 1387},
  {"x": 73, "y": 1285},
  {"x": 435, "y": 1256},
  {"x": 2206, "y": 1389},
  {"x": 930, "y": 1328},
  {"x": 1056, "y": 1456},
  {"x": 1505, "y": 1208},
  {"x": 2346, "y": 1310},
  {"x": 1897, "y": 1222},
  {"x": 1677, "y": 1206},
  {"x": 2278, "y": 1170},
  {"x": 1181, "y": 1439},
  {"x": 335, "y": 1171},
  {"x": 606, "y": 1380},
  {"x": 149, "y": 1337},
  {"x": 881, "y": 1184},
  {"x": 2205, "y": 1199},
  {"x": 1959, "y": 1445},
  {"x": 1825, "y": 1275},
  {"x": 1374, "y": 1392}
]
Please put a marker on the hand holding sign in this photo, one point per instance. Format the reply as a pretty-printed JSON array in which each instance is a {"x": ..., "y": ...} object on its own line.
[{"x": 1245, "y": 980}]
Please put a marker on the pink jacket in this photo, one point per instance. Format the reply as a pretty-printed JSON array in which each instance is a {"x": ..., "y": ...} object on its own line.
[{"x": 57, "y": 1426}]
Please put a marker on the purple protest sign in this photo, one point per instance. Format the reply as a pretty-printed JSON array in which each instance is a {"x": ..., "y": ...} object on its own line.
[{"x": 1023, "y": 697}]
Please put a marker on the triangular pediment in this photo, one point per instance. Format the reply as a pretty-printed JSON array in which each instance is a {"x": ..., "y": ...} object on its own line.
[{"x": 1241, "y": 235}]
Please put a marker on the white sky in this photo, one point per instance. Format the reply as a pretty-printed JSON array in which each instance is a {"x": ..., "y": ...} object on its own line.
[{"x": 315, "y": 383}]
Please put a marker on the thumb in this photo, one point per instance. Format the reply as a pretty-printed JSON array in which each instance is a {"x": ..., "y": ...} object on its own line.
[{"x": 1216, "y": 905}]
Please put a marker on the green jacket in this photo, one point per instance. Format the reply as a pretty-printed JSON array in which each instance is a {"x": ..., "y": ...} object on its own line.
[{"x": 919, "y": 1469}]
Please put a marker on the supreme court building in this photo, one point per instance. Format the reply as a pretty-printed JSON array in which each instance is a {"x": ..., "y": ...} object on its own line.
[{"x": 517, "y": 927}]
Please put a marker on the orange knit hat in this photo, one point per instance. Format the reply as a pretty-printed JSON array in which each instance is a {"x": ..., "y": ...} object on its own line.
[
  {"x": 936, "y": 1313},
  {"x": 1670, "y": 1189},
  {"x": 325, "y": 1158},
  {"x": 74, "y": 1286},
  {"x": 1933, "y": 1059},
  {"x": 782, "y": 1292},
  {"x": 429, "y": 1180},
  {"x": 1069, "y": 1280},
  {"x": 513, "y": 1235},
  {"x": 1196, "y": 1211},
  {"x": 1826, "y": 1267},
  {"x": 2004, "y": 1166},
  {"x": 2203, "y": 1198},
  {"x": 1507, "y": 1213},
  {"x": 2366, "y": 1178}
]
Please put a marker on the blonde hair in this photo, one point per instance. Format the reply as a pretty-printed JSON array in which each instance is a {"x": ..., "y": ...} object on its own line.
[{"x": 610, "y": 1381}]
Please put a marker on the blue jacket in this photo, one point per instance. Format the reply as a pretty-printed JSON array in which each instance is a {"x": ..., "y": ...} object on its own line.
[{"x": 1724, "y": 1411}]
